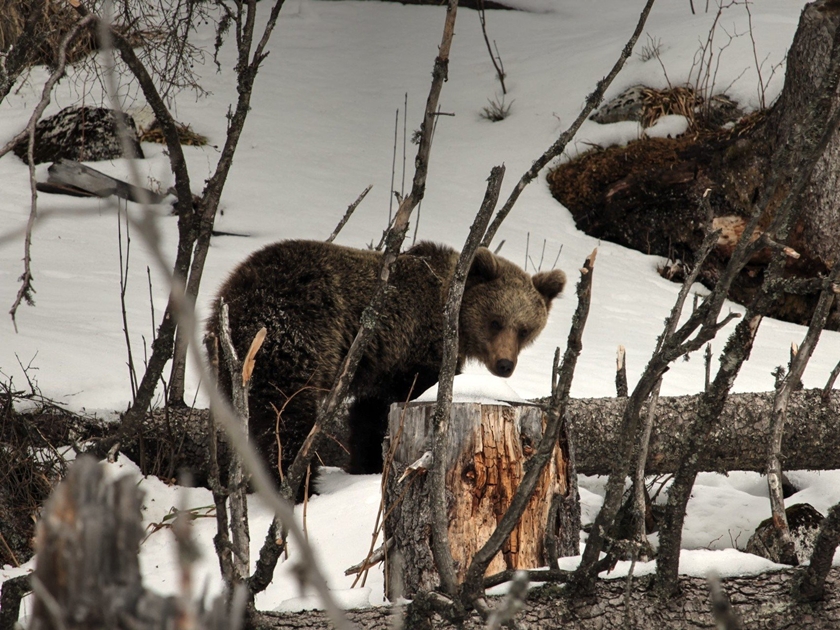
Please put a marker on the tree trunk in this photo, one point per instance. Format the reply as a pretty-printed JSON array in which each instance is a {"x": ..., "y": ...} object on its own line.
[
  {"x": 818, "y": 232},
  {"x": 487, "y": 451},
  {"x": 761, "y": 601}
]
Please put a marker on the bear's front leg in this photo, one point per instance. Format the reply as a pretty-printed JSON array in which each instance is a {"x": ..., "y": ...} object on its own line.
[{"x": 367, "y": 421}]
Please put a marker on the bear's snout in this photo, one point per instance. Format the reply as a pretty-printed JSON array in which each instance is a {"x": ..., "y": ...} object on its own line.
[{"x": 504, "y": 367}]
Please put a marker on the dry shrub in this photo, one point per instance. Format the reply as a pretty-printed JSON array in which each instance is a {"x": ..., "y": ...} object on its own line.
[
  {"x": 52, "y": 20},
  {"x": 701, "y": 113},
  {"x": 30, "y": 466}
]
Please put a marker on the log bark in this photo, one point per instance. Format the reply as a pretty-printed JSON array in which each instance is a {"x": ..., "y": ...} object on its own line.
[
  {"x": 738, "y": 441},
  {"x": 761, "y": 601},
  {"x": 488, "y": 447},
  {"x": 178, "y": 439}
]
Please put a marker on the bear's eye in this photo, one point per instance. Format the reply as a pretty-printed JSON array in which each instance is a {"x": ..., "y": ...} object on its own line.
[
  {"x": 523, "y": 333},
  {"x": 495, "y": 325}
]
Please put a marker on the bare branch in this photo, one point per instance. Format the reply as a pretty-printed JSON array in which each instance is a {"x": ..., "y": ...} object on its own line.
[
  {"x": 792, "y": 380},
  {"x": 451, "y": 313},
  {"x": 829, "y": 385},
  {"x": 350, "y": 209},
  {"x": 500, "y": 73},
  {"x": 394, "y": 240},
  {"x": 809, "y": 583},
  {"x": 621, "y": 373},
  {"x": 26, "y": 290},
  {"x": 559, "y": 145},
  {"x": 240, "y": 536}
]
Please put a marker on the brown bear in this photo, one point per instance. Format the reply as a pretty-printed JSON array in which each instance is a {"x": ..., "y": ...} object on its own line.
[{"x": 310, "y": 297}]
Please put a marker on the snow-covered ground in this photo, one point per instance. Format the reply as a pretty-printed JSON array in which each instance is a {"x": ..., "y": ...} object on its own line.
[{"x": 321, "y": 129}]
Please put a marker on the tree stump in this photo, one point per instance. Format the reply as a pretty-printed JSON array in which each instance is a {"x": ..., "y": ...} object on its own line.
[
  {"x": 486, "y": 456},
  {"x": 88, "y": 573}
]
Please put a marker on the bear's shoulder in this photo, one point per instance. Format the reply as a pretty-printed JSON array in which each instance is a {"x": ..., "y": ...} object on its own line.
[{"x": 436, "y": 254}]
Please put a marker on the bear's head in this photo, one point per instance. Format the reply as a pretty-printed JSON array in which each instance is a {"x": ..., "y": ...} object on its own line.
[{"x": 503, "y": 310}]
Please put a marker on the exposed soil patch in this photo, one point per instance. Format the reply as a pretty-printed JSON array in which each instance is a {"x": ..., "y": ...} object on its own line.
[{"x": 647, "y": 196}]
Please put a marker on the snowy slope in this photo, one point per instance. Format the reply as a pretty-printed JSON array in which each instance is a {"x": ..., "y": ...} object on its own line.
[{"x": 321, "y": 129}]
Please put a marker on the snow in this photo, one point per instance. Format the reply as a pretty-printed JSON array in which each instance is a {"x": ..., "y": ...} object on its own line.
[
  {"x": 320, "y": 130},
  {"x": 669, "y": 126},
  {"x": 476, "y": 388}
]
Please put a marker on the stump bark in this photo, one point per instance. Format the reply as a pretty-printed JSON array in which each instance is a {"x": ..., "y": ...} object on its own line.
[
  {"x": 487, "y": 454},
  {"x": 88, "y": 573}
]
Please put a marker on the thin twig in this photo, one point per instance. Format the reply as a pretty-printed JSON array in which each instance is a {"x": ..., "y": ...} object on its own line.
[
  {"x": 26, "y": 290},
  {"x": 829, "y": 385},
  {"x": 393, "y": 168},
  {"x": 707, "y": 360},
  {"x": 499, "y": 71},
  {"x": 761, "y": 102},
  {"x": 404, "y": 144},
  {"x": 350, "y": 209},
  {"x": 371, "y": 560},
  {"x": 124, "y": 266}
]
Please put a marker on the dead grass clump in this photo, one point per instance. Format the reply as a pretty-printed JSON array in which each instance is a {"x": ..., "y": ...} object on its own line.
[
  {"x": 154, "y": 133},
  {"x": 701, "y": 113},
  {"x": 681, "y": 101}
]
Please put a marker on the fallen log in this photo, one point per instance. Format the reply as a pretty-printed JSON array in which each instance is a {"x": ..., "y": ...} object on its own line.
[
  {"x": 177, "y": 439},
  {"x": 738, "y": 441},
  {"x": 760, "y": 601}
]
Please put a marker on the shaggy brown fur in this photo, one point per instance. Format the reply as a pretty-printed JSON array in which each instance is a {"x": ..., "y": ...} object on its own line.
[{"x": 310, "y": 296}]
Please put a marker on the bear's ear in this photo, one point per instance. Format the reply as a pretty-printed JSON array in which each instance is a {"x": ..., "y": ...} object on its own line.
[
  {"x": 484, "y": 267},
  {"x": 549, "y": 284}
]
